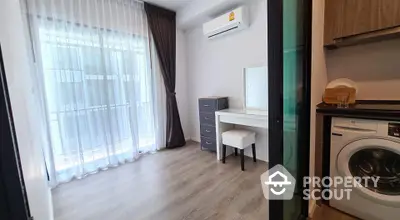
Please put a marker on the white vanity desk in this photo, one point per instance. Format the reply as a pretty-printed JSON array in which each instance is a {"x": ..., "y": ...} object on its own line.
[
  {"x": 226, "y": 119},
  {"x": 255, "y": 104}
]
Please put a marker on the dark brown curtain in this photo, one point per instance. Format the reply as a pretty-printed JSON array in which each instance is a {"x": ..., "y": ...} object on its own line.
[{"x": 162, "y": 23}]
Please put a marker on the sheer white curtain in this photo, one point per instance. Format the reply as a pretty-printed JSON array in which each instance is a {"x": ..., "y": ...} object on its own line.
[{"x": 103, "y": 98}]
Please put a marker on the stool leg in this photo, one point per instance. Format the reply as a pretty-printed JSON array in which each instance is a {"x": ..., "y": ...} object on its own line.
[
  {"x": 223, "y": 153},
  {"x": 242, "y": 158},
  {"x": 235, "y": 151},
  {"x": 254, "y": 152}
]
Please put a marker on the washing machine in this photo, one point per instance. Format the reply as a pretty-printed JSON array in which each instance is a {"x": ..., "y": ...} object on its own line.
[{"x": 367, "y": 148}]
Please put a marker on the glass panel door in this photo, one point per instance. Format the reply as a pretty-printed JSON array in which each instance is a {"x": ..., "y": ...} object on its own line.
[
  {"x": 296, "y": 99},
  {"x": 293, "y": 53},
  {"x": 289, "y": 55}
]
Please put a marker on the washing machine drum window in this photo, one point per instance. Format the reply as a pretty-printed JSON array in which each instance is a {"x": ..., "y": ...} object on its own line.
[
  {"x": 373, "y": 157},
  {"x": 377, "y": 162}
]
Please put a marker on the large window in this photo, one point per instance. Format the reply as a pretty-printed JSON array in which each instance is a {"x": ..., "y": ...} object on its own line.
[{"x": 99, "y": 94}]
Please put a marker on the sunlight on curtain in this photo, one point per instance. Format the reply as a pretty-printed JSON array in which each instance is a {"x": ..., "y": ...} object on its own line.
[{"x": 101, "y": 95}]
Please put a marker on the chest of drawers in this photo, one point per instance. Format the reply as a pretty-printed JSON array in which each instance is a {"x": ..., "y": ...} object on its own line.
[{"x": 207, "y": 108}]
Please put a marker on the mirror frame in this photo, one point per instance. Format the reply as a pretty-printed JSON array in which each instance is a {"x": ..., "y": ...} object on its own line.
[{"x": 244, "y": 87}]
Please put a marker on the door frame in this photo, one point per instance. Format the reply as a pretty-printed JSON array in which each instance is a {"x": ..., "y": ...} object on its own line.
[{"x": 275, "y": 101}]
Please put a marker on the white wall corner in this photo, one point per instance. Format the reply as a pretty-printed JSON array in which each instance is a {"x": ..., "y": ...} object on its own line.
[
  {"x": 25, "y": 109},
  {"x": 312, "y": 206},
  {"x": 319, "y": 78}
]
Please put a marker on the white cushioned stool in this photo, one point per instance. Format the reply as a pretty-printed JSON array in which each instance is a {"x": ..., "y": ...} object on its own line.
[{"x": 239, "y": 139}]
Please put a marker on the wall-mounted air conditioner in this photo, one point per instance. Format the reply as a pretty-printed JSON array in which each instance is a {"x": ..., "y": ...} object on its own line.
[{"x": 232, "y": 21}]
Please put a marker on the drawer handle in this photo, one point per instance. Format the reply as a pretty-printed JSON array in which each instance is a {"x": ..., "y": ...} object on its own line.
[
  {"x": 206, "y": 118},
  {"x": 208, "y": 143},
  {"x": 206, "y": 105},
  {"x": 208, "y": 131}
]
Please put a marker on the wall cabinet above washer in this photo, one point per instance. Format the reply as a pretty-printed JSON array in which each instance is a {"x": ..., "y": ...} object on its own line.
[{"x": 349, "y": 22}]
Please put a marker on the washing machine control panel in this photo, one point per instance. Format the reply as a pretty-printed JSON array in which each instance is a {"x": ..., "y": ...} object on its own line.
[{"x": 394, "y": 130}]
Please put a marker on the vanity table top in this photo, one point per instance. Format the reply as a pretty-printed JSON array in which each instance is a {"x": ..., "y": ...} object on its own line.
[{"x": 242, "y": 112}]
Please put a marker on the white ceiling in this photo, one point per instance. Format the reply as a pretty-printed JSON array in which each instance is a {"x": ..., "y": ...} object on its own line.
[
  {"x": 191, "y": 13},
  {"x": 170, "y": 4}
]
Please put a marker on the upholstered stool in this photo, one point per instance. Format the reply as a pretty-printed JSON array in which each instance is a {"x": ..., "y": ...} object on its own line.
[{"x": 239, "y": 139}]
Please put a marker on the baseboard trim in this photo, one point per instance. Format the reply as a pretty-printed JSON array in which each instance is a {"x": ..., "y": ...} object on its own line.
[{"x": 195, "y": 139}]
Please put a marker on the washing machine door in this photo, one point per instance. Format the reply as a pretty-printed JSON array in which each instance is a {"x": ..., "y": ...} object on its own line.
[{"x": 373, "y": 158}]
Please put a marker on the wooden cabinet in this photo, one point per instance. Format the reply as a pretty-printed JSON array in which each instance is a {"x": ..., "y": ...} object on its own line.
[
  {"x": 347, "y": 18},
  {"x": 333, "y": 20}
]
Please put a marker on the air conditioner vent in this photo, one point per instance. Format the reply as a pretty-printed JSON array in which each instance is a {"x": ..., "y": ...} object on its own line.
[{"x": 232, "y": 21}]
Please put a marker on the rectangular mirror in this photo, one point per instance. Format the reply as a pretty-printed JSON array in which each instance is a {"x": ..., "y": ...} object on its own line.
[{"x": 255, "y": 88}]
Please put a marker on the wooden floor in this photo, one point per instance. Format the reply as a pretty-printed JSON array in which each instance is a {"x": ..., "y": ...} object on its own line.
[
  {"x": 178, "y": 184},
  {"x": 328, "y": 213}
]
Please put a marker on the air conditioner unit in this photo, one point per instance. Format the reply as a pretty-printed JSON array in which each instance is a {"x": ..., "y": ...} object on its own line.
[{"x": 234, "y": 20}]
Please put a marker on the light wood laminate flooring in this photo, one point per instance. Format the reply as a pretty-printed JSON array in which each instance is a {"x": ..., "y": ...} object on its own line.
[{"x": 184, "y": 183}]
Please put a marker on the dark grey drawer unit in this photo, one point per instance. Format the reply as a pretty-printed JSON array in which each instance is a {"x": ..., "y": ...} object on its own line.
[
  {"x": 209, "y": 144},
  {"x": 207, "y": 131},
  {"x": 207, "y": 108}
]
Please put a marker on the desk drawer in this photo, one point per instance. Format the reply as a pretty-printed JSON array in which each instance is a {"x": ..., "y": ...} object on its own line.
[
  {"x": 207, "y": 131},
  {"x": 209, "y": 143},
  {"x": 259, "y": 121},
  {"x": 208, "y": 105},
  {"x": 207, "y": 118}
]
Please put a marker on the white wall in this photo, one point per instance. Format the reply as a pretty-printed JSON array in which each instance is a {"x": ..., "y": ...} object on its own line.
[
  {"x": 318, "y": 74},
  {"x": 181, "y": 81},
  {"x": 374, "y": 67},
  {"x": 215, "y": 67},
  {"x": 24, "y": 109}
]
